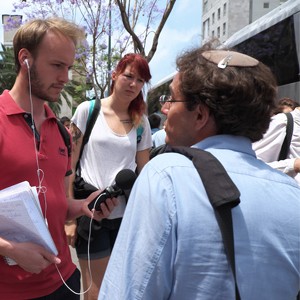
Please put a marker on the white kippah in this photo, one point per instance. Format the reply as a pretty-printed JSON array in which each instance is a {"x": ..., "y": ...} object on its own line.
[{"x": 224, "y": 58}]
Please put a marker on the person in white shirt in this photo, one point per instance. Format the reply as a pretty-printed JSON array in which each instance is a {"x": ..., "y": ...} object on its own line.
[
  {"x": 268, "y": 148},
  {"x": 114, "y": 145},
  {"x": 159, "y": 137}
]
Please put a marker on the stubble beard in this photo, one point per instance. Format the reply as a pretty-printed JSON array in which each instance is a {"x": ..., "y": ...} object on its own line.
[{"x": 38, "y": 88}]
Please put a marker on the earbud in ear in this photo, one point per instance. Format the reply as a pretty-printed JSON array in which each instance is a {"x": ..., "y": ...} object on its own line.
[{"x": 26, "y": 63}]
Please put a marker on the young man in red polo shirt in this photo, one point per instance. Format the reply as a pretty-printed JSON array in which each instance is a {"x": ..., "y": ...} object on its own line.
[{"x": 32, "y": 149}]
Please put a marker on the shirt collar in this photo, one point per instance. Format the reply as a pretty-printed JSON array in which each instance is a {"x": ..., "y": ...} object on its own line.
[
  {"x": 10, "y": 107},
  {"x": 224, "y": 141}
]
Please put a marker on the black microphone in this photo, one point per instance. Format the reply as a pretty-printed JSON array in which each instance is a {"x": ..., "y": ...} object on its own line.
[{"x": 124, "y": 181}]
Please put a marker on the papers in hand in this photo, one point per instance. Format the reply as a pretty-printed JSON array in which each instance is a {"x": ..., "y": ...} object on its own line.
[{"x": 21, "y": 218}]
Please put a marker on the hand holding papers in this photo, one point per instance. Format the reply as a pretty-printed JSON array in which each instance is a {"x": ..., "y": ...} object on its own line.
[{"x": 21, "y": 218}]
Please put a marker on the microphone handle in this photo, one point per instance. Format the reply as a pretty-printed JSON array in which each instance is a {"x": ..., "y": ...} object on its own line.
[
  {"x": 113, "y": 191},
  {"x": 98, "y": 200},
  {"x": 110, "y": 192}
]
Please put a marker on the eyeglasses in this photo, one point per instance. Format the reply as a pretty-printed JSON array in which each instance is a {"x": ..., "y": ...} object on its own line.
[{"x": 168, "y": 99}]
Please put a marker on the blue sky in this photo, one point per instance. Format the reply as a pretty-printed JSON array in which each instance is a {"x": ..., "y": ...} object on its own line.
[{"x": 181, "y": 31}]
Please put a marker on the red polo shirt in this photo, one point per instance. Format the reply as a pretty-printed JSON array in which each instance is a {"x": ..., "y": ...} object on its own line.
[{"x": 18, "y": 163}]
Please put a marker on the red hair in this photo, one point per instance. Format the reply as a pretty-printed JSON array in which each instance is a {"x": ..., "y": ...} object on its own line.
[{"x": 137, "y": 107}]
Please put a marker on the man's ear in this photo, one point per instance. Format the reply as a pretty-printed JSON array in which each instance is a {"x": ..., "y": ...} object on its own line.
[
  {"x": 203, "y": 114},
  {"x": 24, "y": 58},
  {"x": 205, "y": 122}
]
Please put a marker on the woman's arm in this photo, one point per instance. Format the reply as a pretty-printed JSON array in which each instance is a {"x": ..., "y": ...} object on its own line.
[
  {"x": 142, "y": 157},
  {"x": 77, "y": 138},
  {"x": 71, "y": 225}
]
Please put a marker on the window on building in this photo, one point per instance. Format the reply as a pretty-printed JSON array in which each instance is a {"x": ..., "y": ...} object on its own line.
[
  {"x": 276, "y": 47},
  {"x": 224, "y": 28},
  {"x": 205, "y": 28},
  {"x": 266, "y": 4},
  {"x": 218, "y": 32},
  {"x": 213, "y": 33},
  {"x": 213, "y": 18},
  {"x": 224, "y": 9},
  {"x": 219, "y": 13},
  {"x": 205, "y": 6}
]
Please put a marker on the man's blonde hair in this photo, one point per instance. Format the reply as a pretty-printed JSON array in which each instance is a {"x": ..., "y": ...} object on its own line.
[{"x": 31, "y": 34}]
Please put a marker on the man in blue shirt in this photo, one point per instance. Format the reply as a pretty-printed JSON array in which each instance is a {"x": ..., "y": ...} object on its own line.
[{"x": 169, "y": 245}]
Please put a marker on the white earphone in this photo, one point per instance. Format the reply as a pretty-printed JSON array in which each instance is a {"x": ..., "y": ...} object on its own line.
[{"x": 26, "y": 63}]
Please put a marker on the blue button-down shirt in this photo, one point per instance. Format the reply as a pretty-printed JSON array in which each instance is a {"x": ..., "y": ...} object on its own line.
[{"x": 170, "y": 246}]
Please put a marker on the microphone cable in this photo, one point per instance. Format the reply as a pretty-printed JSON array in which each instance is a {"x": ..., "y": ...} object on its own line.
[
  {"x": 42, "y": 189},
  {"x": 40, "y": 173},
  {"x": 88, "y": 257}
]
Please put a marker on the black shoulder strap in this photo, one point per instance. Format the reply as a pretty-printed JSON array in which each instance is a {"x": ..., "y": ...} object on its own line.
[
  {"x": 89, "y": 126},
  {"x": 65, "y": 135},
  {"x": 221, "y": 191},
  {"x": 288, "y": 137}
]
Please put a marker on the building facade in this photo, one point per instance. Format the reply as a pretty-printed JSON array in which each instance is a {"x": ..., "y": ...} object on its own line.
[
  {"x": 222, "y": 18},
  {"x": 9, "y": 29}
]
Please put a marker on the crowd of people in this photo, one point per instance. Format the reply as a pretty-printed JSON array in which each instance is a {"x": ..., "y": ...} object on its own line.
[{"x": 161, "y": 240}]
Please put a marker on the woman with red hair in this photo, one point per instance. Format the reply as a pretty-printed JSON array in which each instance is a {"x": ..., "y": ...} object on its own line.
[{"x": 114, "y": 145}]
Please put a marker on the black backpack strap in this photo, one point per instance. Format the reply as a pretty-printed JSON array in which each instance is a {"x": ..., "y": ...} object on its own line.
[
  {"x": 65, "y": 135},
  {"x": 222, "y": 193},
  {"x": 288, "y": 137},
  {"x": 89, "y": 127}
]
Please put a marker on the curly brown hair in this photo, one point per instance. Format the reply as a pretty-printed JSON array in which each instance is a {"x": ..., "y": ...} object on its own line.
[{"x": 241, "y": 99}]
